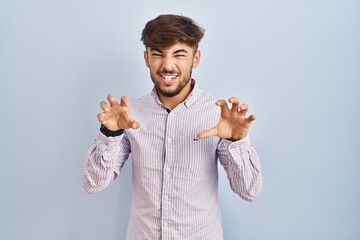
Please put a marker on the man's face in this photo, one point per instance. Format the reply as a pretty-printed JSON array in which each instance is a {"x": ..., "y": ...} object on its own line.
[{"x": 170, "y": 68}]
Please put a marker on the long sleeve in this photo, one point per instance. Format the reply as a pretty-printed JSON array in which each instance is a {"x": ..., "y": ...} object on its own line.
[
  {"x": 104, "y": 161},
  {"x": 242, "y": 165}
]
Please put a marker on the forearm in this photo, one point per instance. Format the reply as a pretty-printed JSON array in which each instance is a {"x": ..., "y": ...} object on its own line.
[
  {"x": 242, "y": 165},
  {"x": 104, "y": 161}
]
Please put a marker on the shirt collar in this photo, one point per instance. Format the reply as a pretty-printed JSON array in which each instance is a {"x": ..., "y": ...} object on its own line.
[{"x": 190, "y": 99}]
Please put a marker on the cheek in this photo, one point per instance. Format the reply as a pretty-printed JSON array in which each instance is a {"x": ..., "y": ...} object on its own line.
[
  {"x": 185, "y": 68},
  {"x": 153, "y": 70},
  {"x": 154, "y": 66},
  {"x": 151, "y": 67}
]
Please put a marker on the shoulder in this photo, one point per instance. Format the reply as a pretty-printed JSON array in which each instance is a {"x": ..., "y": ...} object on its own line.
[
  {"x": 207, "y": 95},
  {"x": 142, "y": 101},
  {"x": 205, "y": 98},
  {"x": 142, "y": 104}
]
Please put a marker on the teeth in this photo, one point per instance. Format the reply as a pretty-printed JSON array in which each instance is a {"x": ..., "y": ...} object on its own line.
[{"x": 169, "y": 77}]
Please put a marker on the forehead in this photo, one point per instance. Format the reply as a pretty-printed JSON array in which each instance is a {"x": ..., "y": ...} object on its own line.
[{"x": 175, "y": 47}]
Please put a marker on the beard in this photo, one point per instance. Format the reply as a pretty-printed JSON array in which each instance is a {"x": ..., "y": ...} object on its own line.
[{"x": 171, "y": 93}]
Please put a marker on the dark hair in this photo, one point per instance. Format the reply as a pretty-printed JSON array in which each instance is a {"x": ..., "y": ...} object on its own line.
[{"x": 166, "y": 30}]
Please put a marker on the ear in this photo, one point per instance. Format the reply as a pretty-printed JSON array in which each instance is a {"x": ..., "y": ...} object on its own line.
[
  {"x": 146, "y": 58},
  {"x": 196, "y": 59}
]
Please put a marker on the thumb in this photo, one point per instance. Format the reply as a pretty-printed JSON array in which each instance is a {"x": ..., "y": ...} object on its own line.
[
  {"x": 125, "y": 102},
  {"x": 134, "y": 124},
  {"x": 208, "y": 133}
]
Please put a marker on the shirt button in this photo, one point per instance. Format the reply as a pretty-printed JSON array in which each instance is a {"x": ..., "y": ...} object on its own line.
[
  {"x": 165, "y": 224},
  {"x": 107, "y": 144},
  {"x": 166, "y": 197},
  {"x": 169, "y": 140},
  {"x": 167, "y": 169}
]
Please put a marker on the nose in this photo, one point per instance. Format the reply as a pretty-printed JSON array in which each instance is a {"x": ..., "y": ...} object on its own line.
[{"x": 168, "y": 62}]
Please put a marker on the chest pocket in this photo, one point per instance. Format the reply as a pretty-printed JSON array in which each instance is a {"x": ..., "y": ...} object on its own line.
[
  {"x": 196, "y": 156},
  {"x": 147, "y": 148}
]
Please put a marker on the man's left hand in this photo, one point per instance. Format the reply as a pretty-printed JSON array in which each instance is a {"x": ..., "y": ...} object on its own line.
[{"x": 233, "y": 123}]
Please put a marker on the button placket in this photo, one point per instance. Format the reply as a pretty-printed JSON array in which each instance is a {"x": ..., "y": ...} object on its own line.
[{"x": 167, "y": 165}]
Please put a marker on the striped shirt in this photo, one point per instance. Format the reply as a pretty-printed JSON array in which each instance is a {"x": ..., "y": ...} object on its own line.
[{"x": 174, "y": 174}]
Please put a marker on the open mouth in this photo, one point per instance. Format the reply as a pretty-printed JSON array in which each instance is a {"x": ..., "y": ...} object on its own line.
[{"x": 168, "y": 79}]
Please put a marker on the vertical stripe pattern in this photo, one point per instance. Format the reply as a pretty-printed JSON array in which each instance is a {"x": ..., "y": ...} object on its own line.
[{"x": 174, "y": 174}]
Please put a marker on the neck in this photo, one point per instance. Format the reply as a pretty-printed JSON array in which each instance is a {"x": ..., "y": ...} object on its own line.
[{"x": 172, "y": 102}]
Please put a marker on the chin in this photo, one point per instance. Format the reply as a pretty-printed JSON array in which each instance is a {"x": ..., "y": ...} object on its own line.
[{"x": 167, "y": 93}]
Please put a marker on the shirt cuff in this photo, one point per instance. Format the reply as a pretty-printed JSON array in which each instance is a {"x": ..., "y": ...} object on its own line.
[
  {"x": 107, "y": 143},
  {"x": 236, "y": 147},
  {"x": 110, "y": 133}
]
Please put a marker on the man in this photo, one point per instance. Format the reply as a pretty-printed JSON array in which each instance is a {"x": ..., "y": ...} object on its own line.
[{"x": 175, "y": 135}]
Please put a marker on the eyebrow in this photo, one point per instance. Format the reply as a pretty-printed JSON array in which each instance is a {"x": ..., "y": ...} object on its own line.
[
  {"x": 176, "y": 52},
  {"x": 155, "y": 50},
  {"x": 180, "y": 51}
]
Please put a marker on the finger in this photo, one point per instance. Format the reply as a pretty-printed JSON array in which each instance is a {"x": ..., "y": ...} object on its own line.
[
  {"x": 243, "y": 109},
  {"x": 112, "y": 100},
  {"x": 251, "y": 118},
  {"x": 124, "y": 102},
  {"x": 134, "y": 124},
  {"x": 104, "y": 106},
  {"x": 208, "y": 133},
  {"x": 101, "y": 117},
  {"x": 235, "y": 104},
  {"x": 222, "y": 104}
]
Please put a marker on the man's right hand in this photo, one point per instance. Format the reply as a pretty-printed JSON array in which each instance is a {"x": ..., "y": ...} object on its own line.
[{"x": 116, "y": 116}]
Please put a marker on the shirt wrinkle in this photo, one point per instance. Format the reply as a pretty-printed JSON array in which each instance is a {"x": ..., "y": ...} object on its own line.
[{"x": 174, "y": 174}]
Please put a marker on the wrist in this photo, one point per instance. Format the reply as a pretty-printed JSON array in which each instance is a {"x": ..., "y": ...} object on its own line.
[
  {"x": 110, "y": 133},
  {"x": 237, "y": 138}
]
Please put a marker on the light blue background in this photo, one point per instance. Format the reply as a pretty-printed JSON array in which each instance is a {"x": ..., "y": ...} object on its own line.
[{"x": 296, "y": 63}]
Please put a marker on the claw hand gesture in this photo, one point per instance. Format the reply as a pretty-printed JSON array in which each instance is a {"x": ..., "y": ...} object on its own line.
[
  {"x": 233, "y": 123},
  {"x": 116, "y": 116}
]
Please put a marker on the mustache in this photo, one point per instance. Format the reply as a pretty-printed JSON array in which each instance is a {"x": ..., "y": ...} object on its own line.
[{"x": 162, "y": 71}]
